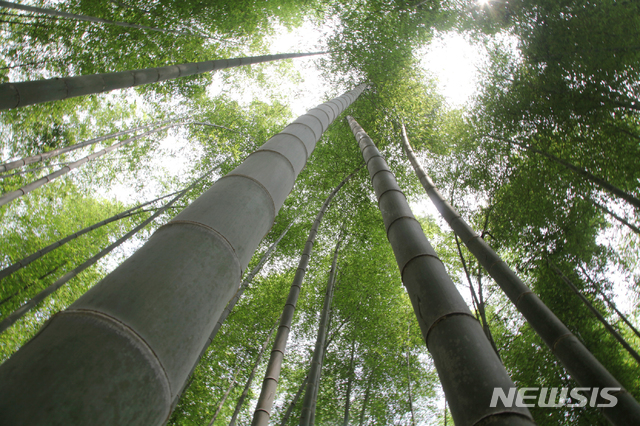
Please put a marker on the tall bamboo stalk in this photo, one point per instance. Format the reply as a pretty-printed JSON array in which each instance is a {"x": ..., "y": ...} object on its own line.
[
  {"x": 595, "y": 312},
  {"x": 52, "y": 12},
  {"x": 308, "y": 406},
  {"x": 21, "y": 311},
  {"x": 10, "y": 196},
  {"x": 365, "y": 401},
  {"x": 610, "y": 302},
  {"x": 347, "y": 399},
  {"x": 13, "y": 95},
  {"x": 265, "y": 402},
  {"x": 38, "y": 254},
  {"x": 55, "y": 152},
  {"x": 579, "y": 362},
  {"x": 247, "y": 386},
  {"x": 468, "y": 368},
  {"x": 122, "y": 352}
]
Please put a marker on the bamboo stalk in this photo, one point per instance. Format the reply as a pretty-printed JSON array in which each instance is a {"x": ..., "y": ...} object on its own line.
[
  {"x": 308, "y": 403},
  {"x": 595, "y": 312},
  {"x": 265, "y": 402},
  {"x": 468, "y": 368},
  {"x": 122, "y": 352},
  {"x": 38, "y": 254},
  {"x": 579, "y": 362},
  {"x": 54, "y": 153},
  {"x": 10, "y": 196},
  {"x": 52, "y": 12},
  {"x": 13, "y": 95}
]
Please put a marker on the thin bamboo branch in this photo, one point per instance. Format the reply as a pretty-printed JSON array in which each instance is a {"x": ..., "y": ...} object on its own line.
[
  {"x": 618, "y": 218},
  {"x": 610, "y": 302},
  {"x": 315, "y": 370}
]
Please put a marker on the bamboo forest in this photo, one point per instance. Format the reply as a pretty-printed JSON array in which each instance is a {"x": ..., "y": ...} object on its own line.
[{"x": 277, "y": 212}]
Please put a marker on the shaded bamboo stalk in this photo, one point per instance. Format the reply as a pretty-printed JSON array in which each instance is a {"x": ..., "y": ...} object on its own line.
[
  {"x": 10, "y": 196},
  {"x": 315, "y": 370},
  {"x": 595, "y": 312},
  {"x": 55, "y": 152},
  {"x": 21, "y": 311},
  {"x": 124, "y": 350},
  {"x": 367, "y": 394},
  {"x": 265, "y": 402},
  {"x": 247, "y": 386},
  {"x": 468, "y": 368},
  {"x": 13, "y": 95},
  {"x": 52, "y": 12},
  {"x": 413, "y": 418},
  {"x": 610, "y": 303},
  {"x": 225, "y": 396},
  {"x": 28, "y": 286},
  {"x": 38, "y": 254},
  {"x": 579, "y": 362}
]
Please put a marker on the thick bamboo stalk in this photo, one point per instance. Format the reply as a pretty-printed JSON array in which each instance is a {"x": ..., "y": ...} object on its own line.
[
  {"x": 21, "y": 311},
  {"x": 579, "y": 362},
  {"x": 85, "y": 18},
  {"x": 308, "y": 403},
  {"x": 468, "y": 368},
  {"x": 122, "y": 352},
  {"x": 247, "y": 386},
  {"x": 55, "y": 152},
  {"x": 245, "y": 283},
  {"x": 38, "y": 254},
  {"x": 597, "y": 314},
  {"x": 13, "y": 95},
  {"x": 10, "y": 196},
  {"x": 269, "y": 385}
]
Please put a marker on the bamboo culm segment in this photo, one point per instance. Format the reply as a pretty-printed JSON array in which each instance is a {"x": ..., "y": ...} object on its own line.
[
  {"x": 468, "y": 368},
  {"x": 122, "y": 353},
  {"x": 10, "y": 196},
  {"x": 13, "y": 95},
  {"x": 54, "y": 153},
  {"x": 579, "y": 362},
  {"x": 21, "y": 311},
  {"x": 37, "y": 255},
  {"x": 262, "y": 413},
  {"x": 243, "y": 286},
  {"x": 310, "y": 395}
]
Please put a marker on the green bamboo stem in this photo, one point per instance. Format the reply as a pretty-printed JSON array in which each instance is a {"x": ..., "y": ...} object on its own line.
[
  {"x": 468, "y": 368},
  {"x": 52, "y": 12},
  {"x": 308, "y": 403},
  {"x": 10, "y": 196},
  {"x": 579, "y": 362},
  {"x": 55, "y": 152},
  {"x": 265, "y": 402},
  {"x": 38, "y": 254},
  {"x": 21, "y": 311},
  {"x": 13, "y": 95},
  {"x": 122, "y": 353}
]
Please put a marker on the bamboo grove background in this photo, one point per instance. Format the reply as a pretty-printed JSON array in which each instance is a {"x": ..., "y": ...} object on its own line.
[{"x": 543, "y": 162}]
